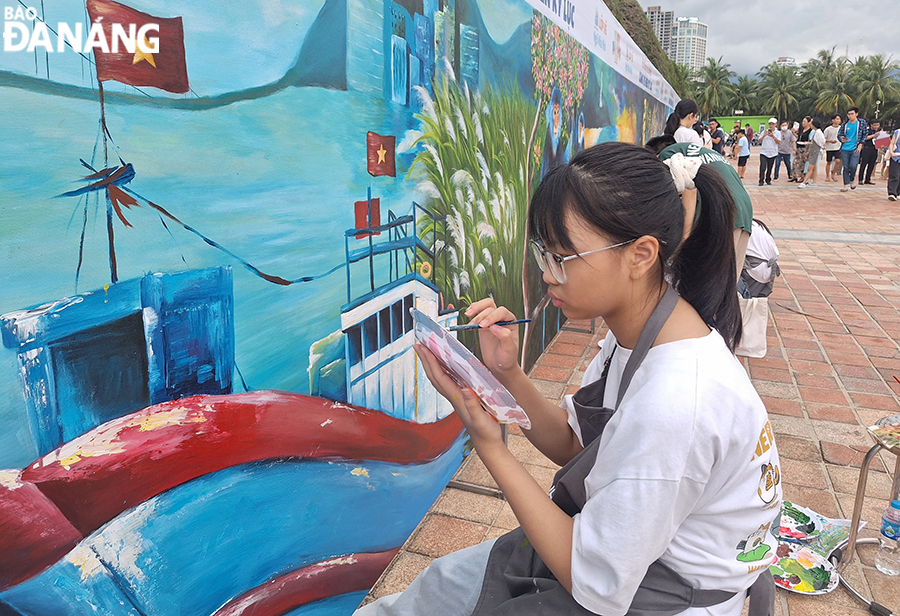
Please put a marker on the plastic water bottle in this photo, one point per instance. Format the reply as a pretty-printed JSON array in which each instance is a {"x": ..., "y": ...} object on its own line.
[{"x": 888, "y": 559}]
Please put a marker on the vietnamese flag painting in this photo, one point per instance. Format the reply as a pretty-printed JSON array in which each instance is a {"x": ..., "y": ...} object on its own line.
[
  {"x": 165, "y": 68},
  {"x": 380, "y": 155}
]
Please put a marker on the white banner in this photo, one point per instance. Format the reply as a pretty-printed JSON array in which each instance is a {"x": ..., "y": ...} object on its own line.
[{"x": 592, "y": 24}]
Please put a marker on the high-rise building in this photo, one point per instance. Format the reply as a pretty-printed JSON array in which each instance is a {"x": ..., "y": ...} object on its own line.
[
  {"x": 688, "y": 46},
  {"x": 662, "y": 22},
  {"x": 682, "y": 38}
]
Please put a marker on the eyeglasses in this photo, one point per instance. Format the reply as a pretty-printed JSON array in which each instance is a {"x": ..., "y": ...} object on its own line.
[{"x": 553, "y": 262}]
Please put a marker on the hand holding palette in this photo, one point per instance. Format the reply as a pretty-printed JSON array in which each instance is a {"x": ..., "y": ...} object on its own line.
[{"x": 465, "y": 369}]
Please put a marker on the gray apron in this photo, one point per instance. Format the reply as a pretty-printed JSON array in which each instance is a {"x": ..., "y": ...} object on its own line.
[{"x": 518, "y": 583}]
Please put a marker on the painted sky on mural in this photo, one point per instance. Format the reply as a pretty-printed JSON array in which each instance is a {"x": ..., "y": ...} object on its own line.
[
  {"x": 260, "y": 51},
  {"x": 749, "y": 35},
  {"x": 502, "y": 17}
]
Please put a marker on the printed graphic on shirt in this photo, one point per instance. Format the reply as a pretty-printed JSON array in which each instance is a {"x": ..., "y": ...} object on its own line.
[
  {"x": 768, "y": 483},
  {"x": 765, "y": 441},
  {"x": 754, "y": 548}
]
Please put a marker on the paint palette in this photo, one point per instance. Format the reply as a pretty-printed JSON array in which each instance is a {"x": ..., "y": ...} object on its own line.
[
  {"x": 465, "y": 369},
  {"x": 798, "y": 524},
  {"x": 799, "y": 569}
]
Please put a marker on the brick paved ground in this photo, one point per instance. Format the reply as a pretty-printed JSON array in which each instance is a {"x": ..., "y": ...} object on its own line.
[{"x": 829, "y": 372}]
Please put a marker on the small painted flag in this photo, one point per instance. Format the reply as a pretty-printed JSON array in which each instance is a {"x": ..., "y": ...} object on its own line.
[
  {"x": 165, "y": 68},
  {"x": 361, "y": 211},
  {"x": 380, "y": 154}
]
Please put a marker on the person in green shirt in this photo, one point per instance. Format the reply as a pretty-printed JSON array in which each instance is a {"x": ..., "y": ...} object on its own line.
[{"x": 665, "y": 147}]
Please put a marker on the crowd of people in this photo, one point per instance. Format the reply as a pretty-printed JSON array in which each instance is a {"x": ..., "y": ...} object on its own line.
[{"x": 853, "y": 149}]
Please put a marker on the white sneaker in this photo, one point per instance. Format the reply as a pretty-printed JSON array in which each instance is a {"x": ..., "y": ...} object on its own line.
[
  {"x": 892, "y": 198},
  {"x": 801, "y": 185}
]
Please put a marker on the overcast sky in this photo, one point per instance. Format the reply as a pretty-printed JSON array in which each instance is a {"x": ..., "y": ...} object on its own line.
[{"x": 750, "y": 34}]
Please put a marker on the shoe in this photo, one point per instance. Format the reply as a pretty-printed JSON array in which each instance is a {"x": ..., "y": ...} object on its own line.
[
  {"x": 801, "y": 185},
  {"x": 768, "y": 183},
  {"x": 892, "y": 197},
  {"x": 869, "y": 183},
  {"x": 760, "y": 183},
  {"x": 844, "y": 189},
  {"x": 852, "y": 186}
]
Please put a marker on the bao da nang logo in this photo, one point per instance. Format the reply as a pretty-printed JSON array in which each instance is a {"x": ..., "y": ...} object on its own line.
[{"x": 23, "y": 31}]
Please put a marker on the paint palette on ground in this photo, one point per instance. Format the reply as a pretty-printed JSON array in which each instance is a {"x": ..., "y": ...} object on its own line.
[
  {"x": 801, "y": 569},
  {"x": 799, "y": 524},
  {"x": 464, "y": 368}
]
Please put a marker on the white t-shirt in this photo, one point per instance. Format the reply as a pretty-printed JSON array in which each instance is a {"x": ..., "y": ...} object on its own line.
[
  {"x": 831, "y": 133},
  {"x": 687, "y": 135},
  {"x": 687, "y": 471},
  {"x": 767, "y": 145}
]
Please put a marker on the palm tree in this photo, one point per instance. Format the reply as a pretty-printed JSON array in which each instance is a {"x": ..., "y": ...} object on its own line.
[
  {"x": 779, "y": 87},
  {"x": 686, "y": 87},
  {"x": 835, "y": 95},
  {"x": 745, "y": 97},
  {"x": 874, "y": 80},
  {"x": 714, "y": 86}
]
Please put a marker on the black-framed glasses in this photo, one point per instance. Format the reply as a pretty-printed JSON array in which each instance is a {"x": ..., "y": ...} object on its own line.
[{"x": 552, "y": 262}]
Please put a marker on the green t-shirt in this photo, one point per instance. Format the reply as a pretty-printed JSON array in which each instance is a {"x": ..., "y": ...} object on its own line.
[{"x": 743, "y": 212}]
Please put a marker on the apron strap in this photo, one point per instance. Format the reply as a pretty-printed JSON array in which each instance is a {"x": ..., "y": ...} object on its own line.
[{"x": 648, "y": 335}]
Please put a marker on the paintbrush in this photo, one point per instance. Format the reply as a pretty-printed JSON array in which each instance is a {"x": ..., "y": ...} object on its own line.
[{"x": 457, "y": 328}]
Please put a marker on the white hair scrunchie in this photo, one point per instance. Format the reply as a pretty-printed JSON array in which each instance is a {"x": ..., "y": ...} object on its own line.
[{"x": 684, "y": 170}]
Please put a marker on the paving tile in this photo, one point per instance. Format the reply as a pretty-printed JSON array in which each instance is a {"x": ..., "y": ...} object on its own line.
[
  {"x": 551, "y": 390},
  {"x": 548, "y": 373},
  {"x": 440, "y": 535},
  {"x": 817, "y": 499},
  {"x": 797, "y": 448},
  {"x": 829, "y": 412},
  {"x": 885, "y": 590},
  {"x": 772, "y": 389},
  {"x": 769, "y": 374},
  {"x": 520, "y": 447},
  {"x": 555, "y": 360},
  {"x": 823, "y": 395},
  {"x": 475, "y": 472},
  {"x": 792, "y": 426},
  {"x": 816, "y": 380},
  {"x": 810, "y": 367},
  {"x": 469, "y": 506},
  {"x": 869, "y": 386},
  {"x": 846, "y": 480},
  {"x": 780, "y": 406},
  {"x": 805, "y": 474},
  {"x": 843, "y": 455},
  {"x": 841, "y": 433},
  {"x": 400, "y": 574},
  {"x": 873, "y": 401}
]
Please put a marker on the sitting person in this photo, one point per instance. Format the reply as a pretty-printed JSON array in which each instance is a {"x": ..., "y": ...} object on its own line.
[{"x": 669, "y": 489}]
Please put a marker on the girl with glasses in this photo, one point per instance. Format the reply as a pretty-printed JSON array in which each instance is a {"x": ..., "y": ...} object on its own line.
[{"x": 670, "y": 487}]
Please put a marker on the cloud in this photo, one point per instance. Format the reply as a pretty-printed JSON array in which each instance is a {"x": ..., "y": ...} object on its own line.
[{"x": 750, "y": 35}]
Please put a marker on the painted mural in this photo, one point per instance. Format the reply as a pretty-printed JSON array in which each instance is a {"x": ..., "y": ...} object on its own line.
[{"x": 215, "y": 218}]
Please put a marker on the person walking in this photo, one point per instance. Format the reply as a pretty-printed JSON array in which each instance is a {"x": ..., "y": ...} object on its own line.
[
  {"x": 768, "y": 152},
  {"x": 741, "y": 151},
  {"x": 717, "y": 135},
  {"x": 681, "y": 121},
  {"x": 893, "y": 154},
  {"x": 869, "y": 153},
  {"x": 802, "y": 152},
  {"x": 816, "y": 147},
  {"x": 785, "y": 150},
  {"x": 832, "y": 149},
  {"x": 852, "y": 134},
  {"x": 750, "y": 134}
]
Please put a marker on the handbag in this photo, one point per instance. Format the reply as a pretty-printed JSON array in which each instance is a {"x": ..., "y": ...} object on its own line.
[{"x": 755, "y": 318}]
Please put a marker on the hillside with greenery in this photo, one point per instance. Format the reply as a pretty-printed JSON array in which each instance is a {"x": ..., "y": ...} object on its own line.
[{"x": 630, "y": 14}]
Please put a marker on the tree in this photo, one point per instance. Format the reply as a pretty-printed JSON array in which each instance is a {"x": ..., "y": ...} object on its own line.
[
  {"x": 744, "y": 96},
  {"x": 835, "y": 96},
  {"x": 873, "y": 80},
  {"x": 715, "y": 89},
  {"x": 779, "y": 86}
]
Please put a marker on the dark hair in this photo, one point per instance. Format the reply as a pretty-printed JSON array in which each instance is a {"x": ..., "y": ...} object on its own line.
[
  {"x": 740, "y": 131},
  {"x": 699, "y": 128},
  {"x": 817, "y": 123},
  {"x": 747, "y": 124},
  {"x": 658, "y": 144},
  {"x": 837, "y": 115},
  {"x": 856, "y": 109},
  {"x": 714, "y": 120},
  {"x": 625, "y": 192},
  {"x": 873, "y": 120},
  {"x": 683, "y": 109}
]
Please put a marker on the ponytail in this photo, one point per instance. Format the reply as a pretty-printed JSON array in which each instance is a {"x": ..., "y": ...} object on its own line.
[
  {"x": 703, "y": 267},
  {"x": 683, "y": 109}
]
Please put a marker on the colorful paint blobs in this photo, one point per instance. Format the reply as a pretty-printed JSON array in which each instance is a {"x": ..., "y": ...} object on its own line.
[
  {"x": 798, "y": 523},
  {"x": 801, "y": 570}
]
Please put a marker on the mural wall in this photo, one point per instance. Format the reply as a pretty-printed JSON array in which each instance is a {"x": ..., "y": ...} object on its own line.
[{"x": 214, "y": 220}]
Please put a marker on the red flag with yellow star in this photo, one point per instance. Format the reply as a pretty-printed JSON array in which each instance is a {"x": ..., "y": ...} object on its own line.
[
  {"x": 162, "y": 67},
  {"x": 380, "y": 155}
]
